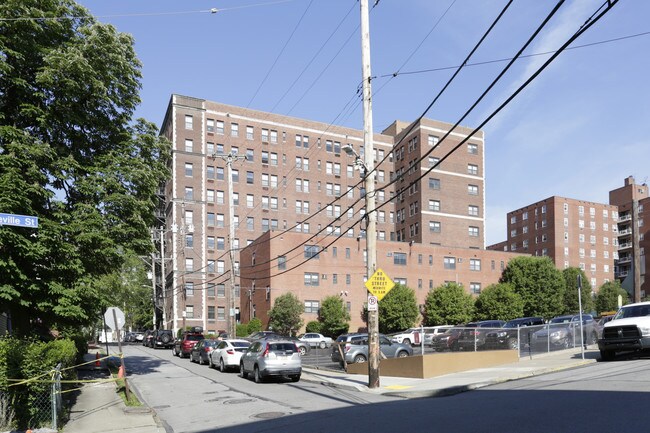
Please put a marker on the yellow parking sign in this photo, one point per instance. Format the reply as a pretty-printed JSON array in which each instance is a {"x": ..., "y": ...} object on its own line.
[{"x": 379, "y": 284}]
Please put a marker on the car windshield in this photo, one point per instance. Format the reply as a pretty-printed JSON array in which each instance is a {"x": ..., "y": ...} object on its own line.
[
  {"x": 561, "y": 319},
  {"x": 633, "y": 311},
  {"x": 240, "y": 343},
  {"x": 195, "y": 337}
]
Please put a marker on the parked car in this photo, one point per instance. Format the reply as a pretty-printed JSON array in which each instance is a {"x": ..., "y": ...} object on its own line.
[
  {"x": 409, "y": 337},
  {"x": 183, "y": 345},
  {"x": 472, "y": 336},
  {"x": 260, "y": 334},
  {"x": 447, "y": 340},
  {"x": 163, "y": 338},
  {"x": 202, "y": 349},
  {"x": 303, "y": 346},
  {"x": 316, "y": 340},
  {"x": 561, "y": 330},
  {"x": 511, "y": 334},
  {"x": 356, "y": 349},
  {"x": 228, "y": 353},
  {"x": 432, "y": 331},
  {"x": 271, "y": 357}
]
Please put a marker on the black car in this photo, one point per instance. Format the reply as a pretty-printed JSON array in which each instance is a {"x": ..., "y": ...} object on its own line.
[
  {"x": 510, "y": 336},
  {"x": 472, "y": 338},
  {"x": 163, "y": 338}
]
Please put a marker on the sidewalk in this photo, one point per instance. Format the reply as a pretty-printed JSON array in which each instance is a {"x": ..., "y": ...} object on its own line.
[{"x": 99, "y": 408}]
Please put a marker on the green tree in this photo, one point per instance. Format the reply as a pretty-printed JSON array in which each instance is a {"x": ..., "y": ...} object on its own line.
[
  {"x": 333, "y": 317},
  {"x": 129, "y": 289},
  {"x": 398, "y": 310},
  {"x": 255, "y": 325},
  {"x": 539, "y": 283},
  {"x": 498, "y": 301},
  {"x": 571, "y": 304},
  {"x": 448, "y": 304},
  {"x": 71, "y": 155},
  {"x": 284, "y": 317},
  {"x": 607, "y": 297}
]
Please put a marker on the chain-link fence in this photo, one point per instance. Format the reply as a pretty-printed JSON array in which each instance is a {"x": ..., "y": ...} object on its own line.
[{"x": 33, "y": 406}]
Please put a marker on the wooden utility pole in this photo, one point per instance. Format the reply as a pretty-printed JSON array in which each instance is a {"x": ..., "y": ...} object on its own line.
[{"x": 369, "y": 184}]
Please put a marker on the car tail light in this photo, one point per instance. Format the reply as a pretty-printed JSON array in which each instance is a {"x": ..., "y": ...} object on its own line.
[
  {"x": 230, "y": 352},
  {"x": 347, "y": 348},
  {"x": 266, "y": 351}
]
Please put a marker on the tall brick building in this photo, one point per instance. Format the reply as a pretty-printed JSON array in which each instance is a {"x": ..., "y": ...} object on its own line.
[{"x": 294, "y": 176}]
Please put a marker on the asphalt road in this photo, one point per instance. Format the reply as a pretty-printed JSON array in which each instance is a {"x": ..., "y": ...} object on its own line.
[{"x": 191, "y": 398}]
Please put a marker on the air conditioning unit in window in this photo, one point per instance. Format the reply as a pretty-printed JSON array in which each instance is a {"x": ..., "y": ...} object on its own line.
[{"x": 190, "y": 228}]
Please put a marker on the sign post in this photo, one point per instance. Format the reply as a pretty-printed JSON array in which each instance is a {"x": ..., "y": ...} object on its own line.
[{"x": 115, "y": 320}]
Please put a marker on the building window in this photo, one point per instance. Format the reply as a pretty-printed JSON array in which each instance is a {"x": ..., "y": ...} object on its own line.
[
  {"x": 472, "y": 189},
  {"x": 282, "y": 263},
  {"x": 189, "y": 241},
  {"x": 221, "y": 313},
  {"x": 472, "y": 148},
  {"x": 473, "y": 231},
  {"x": 189, "y": 289},
  {"x": 434, "y": 226},
  {"x": 189, "y": 169},
  {"x": 189, "y": 193},
  {"x": 474, "y": 264},
  {"x": 220, "y": 127},
  {"x": 221, "y": 290},
  {"x": 311, "y": 278},
  {"x": 472, "y": 169},
  {"x": 250, "y": 177},
  {"x": 472, "y": 210},
  {"x": 249, "y": 133},
  {"x": 312, "y": 307},
  {"x": 399, "y": 259},
  {"x": 211, "y": 289},
  {"x": 189, "y": 145},
  {"x": 432, "y": 140},
  {"x": 434, "y": 183},
  {"x": 434, "y": 205},
  {"x": 449, "y": 262},
  {"x": 189, "y": 311},
  {"x": 189, "y": 122},
  {"x": 475, "y": 288},
  {"x": 311, "y": 251},
  {"x": 211, "y": 313}
]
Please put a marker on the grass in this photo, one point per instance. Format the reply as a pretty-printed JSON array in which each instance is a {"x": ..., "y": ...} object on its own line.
[{"x": 121, "y": 387}]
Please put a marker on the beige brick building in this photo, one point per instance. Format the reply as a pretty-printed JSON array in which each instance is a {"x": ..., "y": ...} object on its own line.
[{"x": 295, "y": 177}]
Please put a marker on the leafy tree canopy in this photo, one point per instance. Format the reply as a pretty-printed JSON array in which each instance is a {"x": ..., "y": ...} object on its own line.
[
  {"x": 333, "y": 317},
  {"x": 571, "y": 304},
  {"x": 71, "y": 155},
  {"x": 498, "y": 302},
  {"x": 448, "y": 304},
  {"x": 398, "y": 310},
  {"x": 284, "y": 317},
  {"x": 539, "y": 283},
  {"x": 607, "y": 297}
]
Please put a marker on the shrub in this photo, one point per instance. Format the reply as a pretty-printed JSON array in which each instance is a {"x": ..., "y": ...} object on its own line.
[
  {"x": 255, "y": 325},
  {"x": 241, "y": 330},
  {"x": 313, "y": 326}
]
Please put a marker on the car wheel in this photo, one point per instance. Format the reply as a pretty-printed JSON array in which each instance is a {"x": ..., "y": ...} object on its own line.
[
  {"x": 402, "y": 354},
  {"x": 607, "y": 355},
  {"x": 242, "y": 372},
  {"x": 566, "y": 343},
  {"x": 406, "y": 341},
  {"x": 302, "y": 350},
  {"x": 200, "y": 360},
  {"x": 513, "y": 344},
  {"x": 295, "y": 378},
  {"x": 256, "y": 375},
  {"x": 322, "y": 345},
  {"x": 222, "y": 366},
  {"x": 359, "y": 358}
]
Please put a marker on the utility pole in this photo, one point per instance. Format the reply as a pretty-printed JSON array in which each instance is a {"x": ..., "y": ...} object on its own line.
[
  {"x": 369, "y": 184},
  {"x": 163, "y": 279},
  {"x": 230, "y": 294}
]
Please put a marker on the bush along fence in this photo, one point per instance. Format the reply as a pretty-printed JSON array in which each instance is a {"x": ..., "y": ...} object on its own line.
[{"x": 33, "y": 376}]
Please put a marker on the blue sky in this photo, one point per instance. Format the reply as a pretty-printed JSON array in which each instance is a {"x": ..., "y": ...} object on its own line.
[{"x": 577, "y": 131}]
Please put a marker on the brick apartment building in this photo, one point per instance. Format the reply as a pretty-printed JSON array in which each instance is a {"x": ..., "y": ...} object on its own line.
[
  {"x": 294, "y": 176},
  {"x": 633, "y": 236},
  {"x": 601, "y": 239}
]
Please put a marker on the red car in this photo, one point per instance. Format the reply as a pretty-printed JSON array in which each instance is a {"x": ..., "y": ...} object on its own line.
[{"x": 183, "y": 346}]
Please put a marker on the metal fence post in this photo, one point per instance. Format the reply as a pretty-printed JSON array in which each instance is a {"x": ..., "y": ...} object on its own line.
[{"x": 56, "y": 395}]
